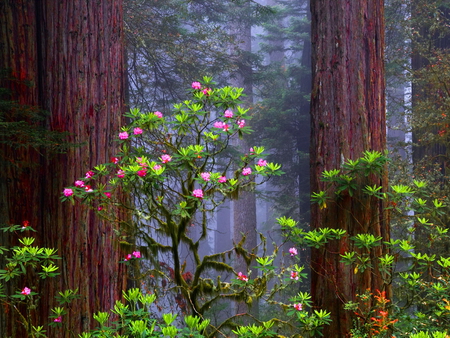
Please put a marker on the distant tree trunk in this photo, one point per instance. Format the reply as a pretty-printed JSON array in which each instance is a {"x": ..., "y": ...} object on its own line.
[
  {"x": 347, "y": 118},
  {"x": 72, "y": 52},
  {"x": 244, "y": 209}
]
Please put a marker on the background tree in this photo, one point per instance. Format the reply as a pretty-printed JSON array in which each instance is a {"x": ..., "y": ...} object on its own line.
[
  {"x": 347, "y": 118},
  {"x": 71, "y": 54}
]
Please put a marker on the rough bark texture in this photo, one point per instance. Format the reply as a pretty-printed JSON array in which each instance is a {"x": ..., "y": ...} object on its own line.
[
  {"x": 72, "y": 51},
  {"x": 347, "y": 118}
]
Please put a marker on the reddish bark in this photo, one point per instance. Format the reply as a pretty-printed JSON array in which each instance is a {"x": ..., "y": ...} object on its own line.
[
  {"x": 347, "y": 118},
  {"x": 73, "y": 53}
]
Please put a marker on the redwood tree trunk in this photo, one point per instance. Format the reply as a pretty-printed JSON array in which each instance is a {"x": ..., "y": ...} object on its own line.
[
  {"x": 72, "y": 51},
  {"x": 347, "y": 118}
]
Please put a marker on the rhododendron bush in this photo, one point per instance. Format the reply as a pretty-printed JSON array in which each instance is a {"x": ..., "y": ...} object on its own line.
[{"x": 179, "y": 167}]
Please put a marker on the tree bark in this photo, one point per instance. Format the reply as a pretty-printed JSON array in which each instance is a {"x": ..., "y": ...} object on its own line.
[
  {"x": 72, "y": 52},
  {"x": 347, "y": 118}
]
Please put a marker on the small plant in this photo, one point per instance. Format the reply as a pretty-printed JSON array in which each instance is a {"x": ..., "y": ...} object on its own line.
[{"x": 27, "y": 261}]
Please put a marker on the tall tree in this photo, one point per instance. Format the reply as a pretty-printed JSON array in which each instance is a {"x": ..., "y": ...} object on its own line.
[
  {"x": 347, "y": 118},
  {"x": 72, "y": 55}
]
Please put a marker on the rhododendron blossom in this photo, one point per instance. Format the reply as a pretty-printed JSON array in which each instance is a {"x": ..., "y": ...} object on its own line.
[
  {"x": 26, "y": 291},
  {"x": 225, "y": 127},
  {"x": 158, "y": 114},
  {"x": 114, "y": 160},
  {"x": 57, "y": 320},
  {"x": 262, "y": 163},
  {"x": 88, "y": 188},
  {"x": 205, "y": 176},
  {"x": 298, "y": 307},
  {"x": 156, "y": 167},
  {"x": 241, "y": 124},
  {"x": 222, "y": 179},
  {"x": 294, "y": 275},
  {"x": 89, "y": 174},
  {"x": 166, "y": 158},
  {"x": 198, "y": 193},
  {"x": 79, "y": 184},
  {"x": 137, "y": 131},
  {"x": 206, "y": 91},
  {"x": 136, "y": 254},
  {"x": 123, "y": 135},
  {"x": 246, "y": 171},
  {"x": 142, "y": 173},
  {"x": 68, "y": 192},
  {"x": 120, "y": 174},
  {"x": 242, "y": 277},
  {"x": 196, "y": 85},
  {"x": 293, "y": 251},
  {"x": 218, "y": 124},
  {"x": 228, "y": 113},
  {"x": 129, "y": 256}
]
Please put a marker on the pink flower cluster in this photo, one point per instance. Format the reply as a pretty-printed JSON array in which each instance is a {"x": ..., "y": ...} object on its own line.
[
  {"x": 68, "y": 192},
  {"x": 246, "y": 171},
  {"x": 137, "y": 131},
  {"x": 198, "y": 193},
  {"x": 196, "y": 85},
  {"x": 135, "y": 254},
  {"x": 166, "y": 158},
  {"x": 26, "y": 291},
  {"x": 294, "y": 275},
  {"x": 221, "y": 125},
  {"x": 228, "y": 114},
  {"x": 261, "y": 163},
  {"x": 158, "y": 114},
  {"x": 293, "y": 251},
  {"x": 123, "y": 135},
  {"x": 242, "y": 277},
  {"x": 222, "y": 179},
  {"x": 298, "y": 307},
  {"x": 205, "y": 176}
]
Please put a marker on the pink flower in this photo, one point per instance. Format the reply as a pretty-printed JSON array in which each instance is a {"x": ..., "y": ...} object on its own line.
[
  {"x": 142, "y": 173},
  {"x": 108, "y": 194},
  {"x": 262, "y": 163},
  {"x": 137, "y": 131},
  {"x": 246, "y": 171},
  {"x": 225, "y": 127},
  {"x": 90, "y": 174},
  {"x": 100, "y": 208},
  {"x": 198, "y": 193},
  {"x": 114, "y": 160},
  {"x": 158, "y": 114},
  {"x": 57, "y": 320},
  {"x": 68, "y": 192},
  {"x": 205, "y": 176},
  {"x": 228, "y": 114},
  {"x": 218, "y": 124},
  {"x": 242, "y": 277},
  {"x": 196, "y": 85},
  {"x": 26, "y": 291},
  {"x": 294, "y": 275},
  {"x": 206, "y": 91},
  {"x": 293, "y": 251},
  {"x": 251, "y": 150},
  {"x": 120, "y": 174},
  {"x": 123, "y": 135},
  {"x": 88, "y": 188},
  {"x": 141, "y": 162},
  {"x": 156, "y": 167},
  {"x": 128, "y": 257},
  {"x": 241, "y": 124},
  {"x": 166, "y": 158},
  {"x": 222, "y": 179},
  {"x": 298, "y": 307},
  {"x": 79, "y": 184},
  {"x": 136, "y": 254}
]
